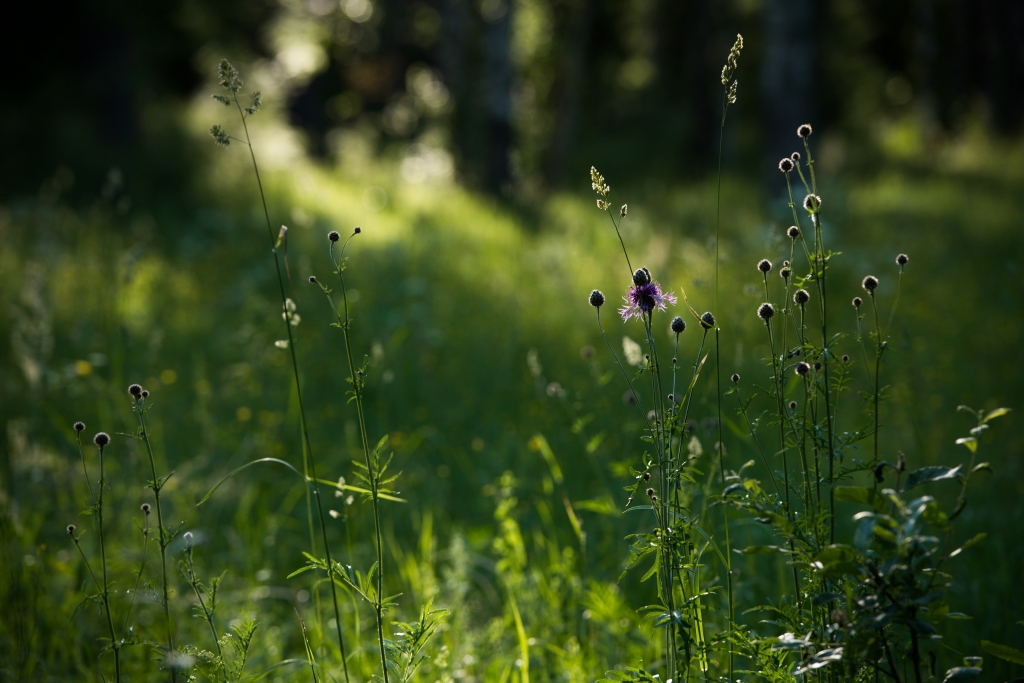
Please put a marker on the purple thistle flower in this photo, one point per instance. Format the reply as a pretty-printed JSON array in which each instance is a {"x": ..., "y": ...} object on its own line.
[{"x": 643, "y": 298}]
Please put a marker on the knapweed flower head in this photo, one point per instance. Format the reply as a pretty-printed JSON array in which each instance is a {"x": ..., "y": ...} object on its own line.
[
  {"x": 678, "y": 325},
  {"x": 145, "y": 508},
  {"x": 785, "y": 272},
  {"x": 795, "y": 156},
  {"x": 101, "y": 439},
  {"x": 902, "y": 260},
  {"x": 870, "y": 283},
  {"x": 792, "y": 405},
  {"x": 596, "y": 298},
  {"x": 793, "y": 232},
  {"x": 71, "y": 529},
  {"x": 804, "y": 130},
  {"x": 357, "y": 230},
  {"x": 79, "y": 426},
  {"x": 187, "y": 536},
  {"x": 801, "y": 297},
  {"x": 812, "y": 203},
  {"x": 857, "y": 301},
  {"x": 135, "y": 390},
  {"x": 312, "y": 279},
  {"x": 764, "y": 265},
  {"x": 735, "y": 378},
  {"x": 145, "y": 393},
  {"x": 765, "y": 311},
  {"x": 817, "y": 365},
  {"x": 333, "y": 236},
  {"x": 786, "y": 165},
  {"x": 802, "y": 368},
  {"x": 707, "y": 320},
  {"x": 644, "y": 297}
]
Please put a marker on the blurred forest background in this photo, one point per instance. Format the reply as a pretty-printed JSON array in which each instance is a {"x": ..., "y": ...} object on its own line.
[{"x": 459, "y": 134}]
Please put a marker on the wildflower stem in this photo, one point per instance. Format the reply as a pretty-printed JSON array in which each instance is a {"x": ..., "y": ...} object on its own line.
[
  {"x": 619, "y": 235},
  {"x": 85, "y": 468},
  {"x": 202, "y": 603},
  {"x": 879, "y": 346},
  {"x": 103, "y": 566},
  {"x": 138, "y": 576}
]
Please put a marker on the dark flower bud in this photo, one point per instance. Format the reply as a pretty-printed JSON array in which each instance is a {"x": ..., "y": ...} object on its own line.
[
  {"x": 804, "y": 130},
  {"x": 857, "y": 301},
  {"x": 846, "y": 358},
  {"x": 671, "y": 398},
  {"x": 678, "y": 325},
  {"x": 333, "y": 236},
  {"x": 187, "y": 536},
  {"x": 101, "y": 439},
  {"x": 901, "y": 462},
  {"x": 795, "y": 156},
  {"x": 650, "y": 493},
  {"x": 817, "y": 366},
  {"x": 647, "y": 476},
  {"x": 792, "y": 405},
  {"x": 79, "y": 426},
  {"x": 654, "y": 499},
  {"x": 135, "y": 390},
  {"x": 785, "y": 273},
  {"x": 765, "y": 311},
  {"x": 870, "y": 283},
  {"x": 880, "y": 472},
  {"x": 764, "y": 265},
  {"x": 596, "y": 298},
  {"x": 707, "y": 320},
  {"x": 145, "y": 393},
  {"x": 71, "y": 529},
  {"x": 641, "y": 277},
  {"x": 801, "y": 297},
  {"x": 145, "y": 508},
  {"x": 312, "y": 279},
  {"x": 357, "y": 230},
  {"x": 902, "y": 259},
  {"x": 735, "y": 378},
  {"x": 812, "y": 203},
  {"x": 786, "y": 165},
  {"x": 802, "y": 368},
  {"x": 793, "y": 232}
]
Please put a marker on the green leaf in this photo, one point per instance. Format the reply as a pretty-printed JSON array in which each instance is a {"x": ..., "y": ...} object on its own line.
[
  {"x": 928, "y": 474},
  {"x": 977, "y": 538},
  {"x": 972, "y": 445},
  {"x": 1003, "y": 652},
  {"x": 961, "y": 674},
  {"x": 998, "y": 412},
  {"x": 247, "y": 465},
  {"x": 861, "y": 494}
]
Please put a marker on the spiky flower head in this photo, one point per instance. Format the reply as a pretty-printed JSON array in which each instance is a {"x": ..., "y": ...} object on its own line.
[
  {"x": 707, "y": 320},
  {"x": 598, "y": 184},
  {"x": 793, "y": 232},
  {"x": 817, "y": 365},
  {"x": 764, "y": 265},
  {"x": 795, "y": 156},
  {"x": 765, "y": 311},
  {"x": 644, "y": 297},
  {"x": 333, "y": 236},
  {"x": 902, "y": 260},
  {"x": 312, "y": 279},
  {"x": 145, "y": 508},
  {"x": 786, "y": 165},
  {"x": 356, "y": 230},
  {"x": 229, "y": 78},
  {"x": 792, "y": 405},
  {"x": 135, "y": 390},
  {"x": 804, "y": 130},
  {"x": 735, "y": 378},
  {"x": 801, "y": 297},
  {"x": 785, "y": 272},
  {"x": 187, "y": 536},
  {"x": 101, "y": 439},
  {"x": 145, "y": 393},
  {"x": 812, "y": 203},
  {"x": 79, "y": 427},
  {"x": 732, "y": 61},
  {"x": 846, "y": 358},
  {"x": 602, "y": 205},
  {"x": 678, "y": 325},
  {"x": 870, "y": 284},
  {"x": 857, "y": 301},
  {"x": 650, "y": 493},
  {"x": 802, "y": 368},
  {"x": 220, "y": 136},
  {"x": 596, "y": 298},
  {"x": 71, "y": 529}
]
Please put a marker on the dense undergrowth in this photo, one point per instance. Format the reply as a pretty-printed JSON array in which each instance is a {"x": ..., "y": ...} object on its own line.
[{"x": 504, "y": 411}]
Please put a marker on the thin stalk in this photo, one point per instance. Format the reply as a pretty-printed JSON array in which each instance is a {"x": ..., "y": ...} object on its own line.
[
  {"x": 138, "y": 576},
  {"x": 309, "y": 462},
  {"x": 85, "y": 468},
  {"x": 103, "y": 566},
  {"x": 878, "y": 366},
  {"x": 194, "y": 582}
]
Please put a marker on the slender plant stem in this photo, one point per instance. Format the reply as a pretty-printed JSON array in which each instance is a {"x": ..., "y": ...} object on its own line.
[
  {"x": 103, "y": 566},
  {"x": 138, "y": 576},
  {"x": 206, "y": 610}
]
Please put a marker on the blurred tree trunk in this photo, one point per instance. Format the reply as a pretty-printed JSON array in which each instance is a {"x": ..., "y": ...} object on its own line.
[
  {"x": 788, "y": 73},
  {"x": 568, "y": 87},
  {"x": 451, "y": 59},
  {"x": 497, "y": 90},
  {"x": 690, "y": 83}
]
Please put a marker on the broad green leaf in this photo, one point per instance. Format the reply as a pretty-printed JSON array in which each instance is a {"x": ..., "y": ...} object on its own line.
[
  {"x": 1003, "y": 652},
  {"x": 927, "y": 474},
  {"x": 970, "y": 442},
  {"x": 998, "y": 412}
]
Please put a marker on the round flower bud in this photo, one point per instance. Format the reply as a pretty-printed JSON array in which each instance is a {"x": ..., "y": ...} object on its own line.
[
  {"x": 145, "y": 508},
  {"x": 786, "y": 165},
  {"x": 785, "y": 273},
  {"x": 647, "y": 476},
  {"x": 802, "y": 368},
  {"x": 678, "y": 325},
  {"x": 902, "y": 259},
  {"x": 804, "y": 130},
  {"x": 650, "y": 493},
  {"x": 765, "y": 311},
  {"x": 357, "y": 230},
  {"x": 870, "y": 283},
  {"x": 764, "y": 265},
  {"x": 801, "y": 297},
  {"x": 187, "y": 537},
  {"x": 71, "y": 529},
  {"x": 101, "y": 439},
  {"x": 795, "y": 156},
  {"x": 312, "y": 279},
  {"x": 707, "y": 320},
  {"x": 846, "y": 358},
  {"x": 641, "y": 277},
  {"x": 333, "y": 236},
  {"x": 793, "y": 232},
  {"x": 857, "y": 301},
  {"x": 735, "y": 378},
  {"x": 135, "y": 390},
  {"x": 145, "y": 393},
  {"x": 79, "y": 426},
  {"x": 596, "y": 298},
  {"x": 812, "y": 202},
  {"x": 817, "y": 366},
  {"x": 792, "y": 405}
]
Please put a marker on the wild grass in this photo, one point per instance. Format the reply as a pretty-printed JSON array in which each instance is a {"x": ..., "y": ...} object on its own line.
[{"x": 505, "y": 413}]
